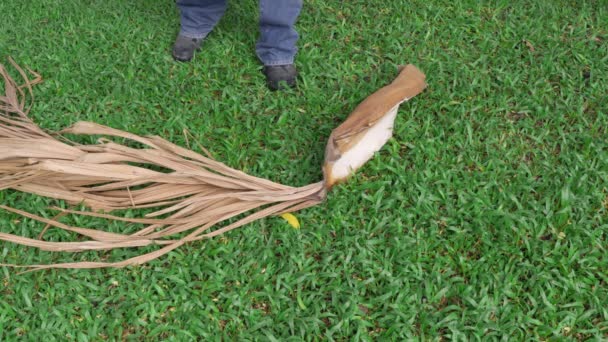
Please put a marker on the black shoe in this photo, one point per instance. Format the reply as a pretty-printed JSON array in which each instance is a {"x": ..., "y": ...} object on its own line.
[
  {"x": 184, "y": 48},
  {"x": 280, "y": 77}
]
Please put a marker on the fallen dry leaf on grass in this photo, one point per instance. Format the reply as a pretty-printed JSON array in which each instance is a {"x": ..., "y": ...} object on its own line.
[{"x": 193, "y": 194}]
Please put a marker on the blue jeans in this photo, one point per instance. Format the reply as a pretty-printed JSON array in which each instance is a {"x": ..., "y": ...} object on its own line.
[{"x": 278, "y": 38}]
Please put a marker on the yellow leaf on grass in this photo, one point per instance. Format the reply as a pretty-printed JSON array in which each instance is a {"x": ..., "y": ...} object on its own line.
[{"x": 292, "y": 220}]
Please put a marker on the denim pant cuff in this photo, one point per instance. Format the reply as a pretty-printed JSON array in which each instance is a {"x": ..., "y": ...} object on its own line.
[
  {"x": 279, "y": 62},
  {"x": 192, "y": 34}
]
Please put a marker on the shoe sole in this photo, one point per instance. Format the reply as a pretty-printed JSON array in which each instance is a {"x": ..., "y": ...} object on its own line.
[
  {"x": 181, "y": 59},
  {"x": 185, "y": 59}
]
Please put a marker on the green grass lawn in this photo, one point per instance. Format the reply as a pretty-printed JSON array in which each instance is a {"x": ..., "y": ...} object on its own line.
[{"x": 485, "y": 217}]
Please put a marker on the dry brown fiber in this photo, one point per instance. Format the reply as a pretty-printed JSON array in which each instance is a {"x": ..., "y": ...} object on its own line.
[{"x": 191, "y": 197}]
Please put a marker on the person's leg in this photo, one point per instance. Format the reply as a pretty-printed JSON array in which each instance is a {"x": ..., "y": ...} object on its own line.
[
  {"x": 276, "y": 47},
  {"x": 278, "y": 37},
  {"x": 197, "y": 19}
]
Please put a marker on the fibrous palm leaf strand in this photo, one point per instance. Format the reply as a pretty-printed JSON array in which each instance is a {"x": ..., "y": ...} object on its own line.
[{"x": 192, "y": 196}]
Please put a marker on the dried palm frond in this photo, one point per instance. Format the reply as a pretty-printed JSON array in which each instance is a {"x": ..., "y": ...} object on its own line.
[{"x": 191, "y": 196}]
